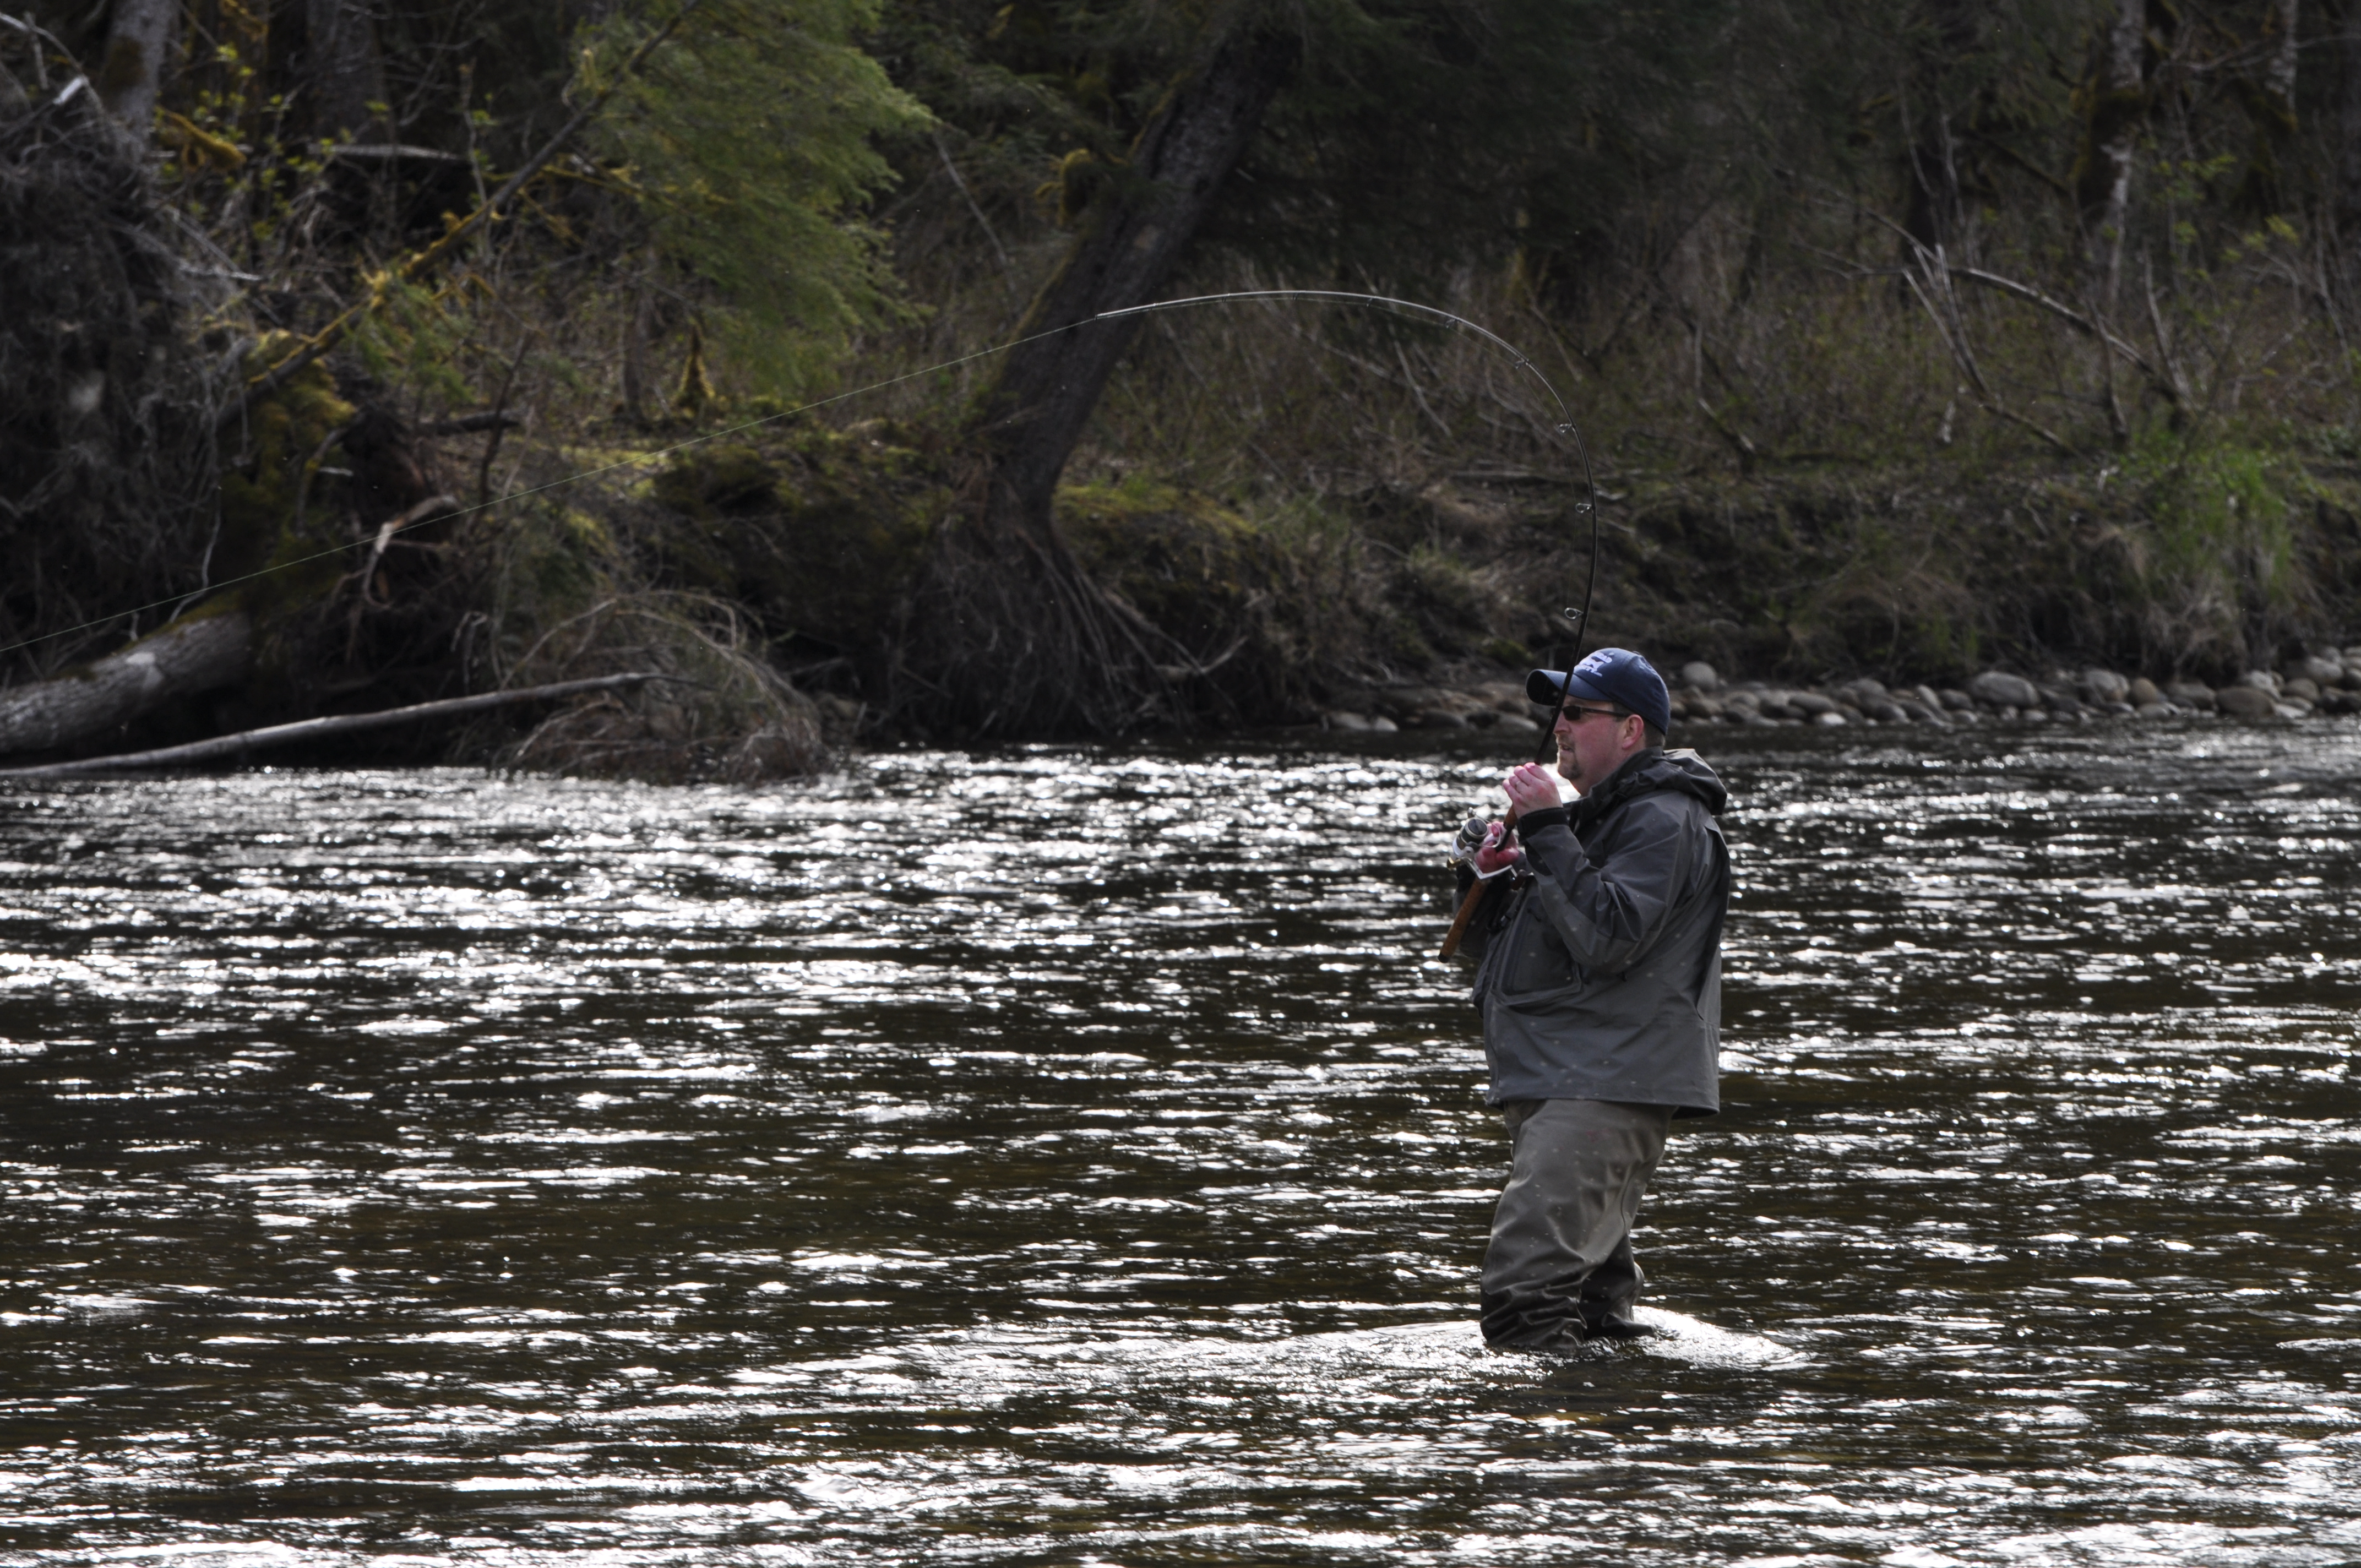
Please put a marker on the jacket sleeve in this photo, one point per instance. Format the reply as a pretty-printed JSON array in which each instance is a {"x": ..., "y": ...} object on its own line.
[{"x": 1609, "y": 914}]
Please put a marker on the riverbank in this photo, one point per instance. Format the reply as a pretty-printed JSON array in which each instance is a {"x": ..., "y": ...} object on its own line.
[
  {"x": 2326, "y": 684},
  {"x": 2150, "y": 580}
]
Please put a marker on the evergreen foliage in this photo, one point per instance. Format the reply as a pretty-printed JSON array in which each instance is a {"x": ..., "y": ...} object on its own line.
[{"x": 750, "y": 144}]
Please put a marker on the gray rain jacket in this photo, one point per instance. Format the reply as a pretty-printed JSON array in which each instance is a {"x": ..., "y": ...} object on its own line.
[{"x": 1600, "y": 977}]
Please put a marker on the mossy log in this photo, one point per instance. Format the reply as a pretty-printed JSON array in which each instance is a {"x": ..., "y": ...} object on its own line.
[{"x": 196, "y": 653}]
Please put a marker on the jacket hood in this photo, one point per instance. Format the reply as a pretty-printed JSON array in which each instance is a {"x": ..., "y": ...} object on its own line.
[{"x": 1656, "y": 769}]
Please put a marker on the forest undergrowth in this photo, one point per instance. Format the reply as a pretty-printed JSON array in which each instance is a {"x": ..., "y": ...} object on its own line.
[{"x": 491, "y": 397}]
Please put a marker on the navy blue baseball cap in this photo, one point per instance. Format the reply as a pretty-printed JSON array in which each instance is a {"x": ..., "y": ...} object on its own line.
[{"x": 1610, "y": 674}]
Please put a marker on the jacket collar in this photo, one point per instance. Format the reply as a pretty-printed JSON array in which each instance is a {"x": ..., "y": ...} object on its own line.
[{"x": 1652, "y": 768}]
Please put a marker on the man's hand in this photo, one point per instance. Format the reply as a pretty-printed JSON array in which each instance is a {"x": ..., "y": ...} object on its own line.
[{"x": 1532, "y": 788}]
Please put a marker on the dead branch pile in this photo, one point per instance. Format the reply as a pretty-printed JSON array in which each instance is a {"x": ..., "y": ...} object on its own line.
[{"x": 725, "y": 714}]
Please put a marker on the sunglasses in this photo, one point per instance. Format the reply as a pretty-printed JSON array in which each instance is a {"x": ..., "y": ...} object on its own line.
[{"x": 1574, "y": 713}]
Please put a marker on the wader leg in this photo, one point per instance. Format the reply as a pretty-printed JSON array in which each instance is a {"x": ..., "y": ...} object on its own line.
[{"x": 1560, "y": 1267}]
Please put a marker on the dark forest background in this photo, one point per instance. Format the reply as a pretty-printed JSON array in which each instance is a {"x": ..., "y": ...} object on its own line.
[{"x": 1905, "y": 338}]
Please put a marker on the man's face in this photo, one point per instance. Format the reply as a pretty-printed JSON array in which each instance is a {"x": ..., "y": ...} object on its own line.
[{"x": 1592, "y": 742}]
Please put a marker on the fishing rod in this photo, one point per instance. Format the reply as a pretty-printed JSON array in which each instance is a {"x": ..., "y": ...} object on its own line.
[{"x": 1564, "y": 426}]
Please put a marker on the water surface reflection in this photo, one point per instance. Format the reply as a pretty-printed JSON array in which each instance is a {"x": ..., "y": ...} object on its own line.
[{"x": 1066, "y": 1156}]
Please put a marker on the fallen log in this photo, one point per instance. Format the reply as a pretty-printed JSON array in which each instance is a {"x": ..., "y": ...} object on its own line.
[
  {"x": 248, "y": 740},
  {"x": 196, "y": 653}
]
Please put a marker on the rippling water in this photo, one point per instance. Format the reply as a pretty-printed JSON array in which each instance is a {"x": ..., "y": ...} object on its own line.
[{"x": 1066, "y": 1156}]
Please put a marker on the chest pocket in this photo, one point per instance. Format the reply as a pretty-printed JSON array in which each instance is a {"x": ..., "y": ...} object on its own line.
[{"x": 1537, "y": 959}]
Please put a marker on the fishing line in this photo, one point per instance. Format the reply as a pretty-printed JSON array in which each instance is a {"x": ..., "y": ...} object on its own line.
[{"x": 1565, "y": 427}]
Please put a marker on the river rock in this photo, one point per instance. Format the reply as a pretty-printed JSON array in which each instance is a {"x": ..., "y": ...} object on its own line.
[
  {"x": 1408, "y": 702},
  {"x": 2245, "y": 701},
  {"x": 2302, "y": 687},
  {"x": 2319, "y": 671},
  {"x": 1699, "y": 674},
  {"x": 1957, "y": 700},
  {"x": 1345, "y": 719},
  {"x": 2102, "y": 686},
  {"x": 1884, "y": 711},
  {"x": 2142, "y": 692},
  {"x": 1436, "y": 718},
  {"x": 2190, "y": 694},
  {"x": 1998, "y": 688},
  {"x": 2261, "y": 680},
  {"x": 1380, "y": 725},
  {"x": 1812, "y": 704}
]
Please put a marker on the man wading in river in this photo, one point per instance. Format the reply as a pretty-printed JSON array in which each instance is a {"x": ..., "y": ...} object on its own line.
[{"x": 1598, "y": 972}]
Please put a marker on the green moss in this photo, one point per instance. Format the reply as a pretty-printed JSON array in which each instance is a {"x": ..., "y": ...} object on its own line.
[
  {"x": 1508, "y": 652},
  {"x": 1190, "y": 564},
  {"x": 820, "y": 533},
  {"x": 711, "y": 481},
  {"x": 1439, "y": 593},
  {"x": 265, "y": 460}
]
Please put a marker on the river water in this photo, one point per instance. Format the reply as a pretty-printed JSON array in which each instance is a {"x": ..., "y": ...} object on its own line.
[{"x": 1065, "y": 1156}]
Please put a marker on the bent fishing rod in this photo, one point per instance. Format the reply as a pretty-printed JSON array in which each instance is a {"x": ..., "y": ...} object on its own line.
[{"x": 1581, "y": 620}]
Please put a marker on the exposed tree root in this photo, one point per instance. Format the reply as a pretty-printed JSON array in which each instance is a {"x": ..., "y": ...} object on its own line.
[
  {"x": 108, "y": 464},
  {"x": 1009, "y": 635}
]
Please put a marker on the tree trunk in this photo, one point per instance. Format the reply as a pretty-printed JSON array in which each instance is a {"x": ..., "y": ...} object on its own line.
[
  {"x": 637, "y": 337},
  {"x": 2270, "y": 104},
  {"x": 1134, "y": 229},
  {"x": 2114, "y": 106},
  {"x": 344, "y": 73},
  {"x": 197, "y": 653},
  {"x": 2279, "y": 72},
  {"x": 2348, "y": 138},
  {"x": 1935, "y": 213},
  {"x": 1004, "y": 632},
  {"x": 131, "y": 76}
]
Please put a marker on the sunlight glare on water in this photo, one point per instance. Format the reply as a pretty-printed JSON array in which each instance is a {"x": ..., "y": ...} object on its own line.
[{"x": 1064, "y": 1156}]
